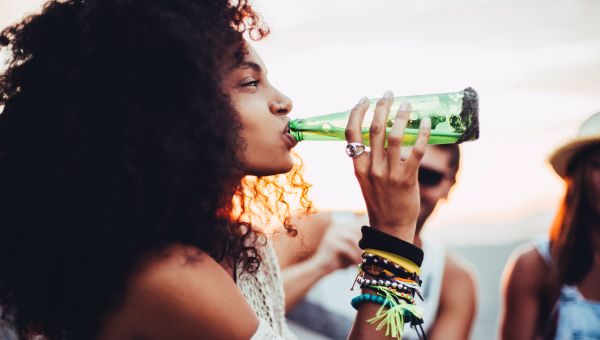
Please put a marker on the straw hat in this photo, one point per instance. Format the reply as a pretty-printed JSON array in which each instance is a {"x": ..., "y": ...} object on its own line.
[{"x": 589, "y": 133}]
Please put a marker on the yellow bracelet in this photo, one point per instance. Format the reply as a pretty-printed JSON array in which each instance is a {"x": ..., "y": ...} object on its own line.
[{"x": 405, "y": 263}]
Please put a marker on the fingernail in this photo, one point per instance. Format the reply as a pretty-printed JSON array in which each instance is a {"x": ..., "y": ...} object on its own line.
[
  {"x": 388, "y": 94},
  {"x": 404, "y": 106},
  {"x": 363, "y": 100},
  {"x": 426, "y": 123}
]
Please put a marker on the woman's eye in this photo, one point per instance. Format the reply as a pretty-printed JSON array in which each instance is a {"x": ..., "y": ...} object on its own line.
[{"x": 253, "y": 83}]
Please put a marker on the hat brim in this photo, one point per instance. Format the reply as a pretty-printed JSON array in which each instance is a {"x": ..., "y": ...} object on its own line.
[{"x": 561, "y": 157}]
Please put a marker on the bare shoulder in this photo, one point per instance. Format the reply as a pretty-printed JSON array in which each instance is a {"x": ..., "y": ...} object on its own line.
[
  {"x": 526, "y": 269},
  {"x": 459, "y": 285},
  {"x": 182, "y": 294},
  {"x": 458, "y": 300},
  {"x": 459, "y": 275},
  {"x": 524, "y": 288}
]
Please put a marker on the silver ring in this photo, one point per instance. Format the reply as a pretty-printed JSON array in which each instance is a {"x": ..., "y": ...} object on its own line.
[{"x": 354, "y": 150}]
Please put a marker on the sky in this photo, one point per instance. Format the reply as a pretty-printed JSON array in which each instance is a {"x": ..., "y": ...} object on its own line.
[{"x": 535, "y": 65}]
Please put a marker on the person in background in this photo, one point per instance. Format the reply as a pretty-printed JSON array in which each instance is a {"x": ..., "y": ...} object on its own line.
[
  {"x": 449, "y": 284},
  {"x": 551, "y": 288}
]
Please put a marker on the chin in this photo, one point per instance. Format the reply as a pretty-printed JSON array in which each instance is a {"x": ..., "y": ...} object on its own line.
[
  {"x": 273, "y": 169},
  {"x": 285, "y": 168}
]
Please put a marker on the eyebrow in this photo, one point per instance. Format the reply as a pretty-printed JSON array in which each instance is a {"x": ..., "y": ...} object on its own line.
[{"x": 256, "y": 67}]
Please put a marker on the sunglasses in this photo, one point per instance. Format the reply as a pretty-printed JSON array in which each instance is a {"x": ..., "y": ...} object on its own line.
[{"x": 429, "y": 177}]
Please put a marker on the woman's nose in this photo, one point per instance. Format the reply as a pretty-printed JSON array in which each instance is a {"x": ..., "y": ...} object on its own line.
[{"x": 282, "y": 106}]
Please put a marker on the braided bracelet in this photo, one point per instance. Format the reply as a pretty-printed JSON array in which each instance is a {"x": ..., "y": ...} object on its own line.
[
  {"x": 380, "y": 266},
  {"x": 394, "y": 260}
]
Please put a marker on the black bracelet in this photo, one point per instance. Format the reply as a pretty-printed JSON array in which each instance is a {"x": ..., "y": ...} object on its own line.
[{"x": 375, "y": 239}]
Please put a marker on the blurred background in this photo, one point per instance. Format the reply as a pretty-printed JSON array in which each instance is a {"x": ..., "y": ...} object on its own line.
[{"x": 534, "y": 63}]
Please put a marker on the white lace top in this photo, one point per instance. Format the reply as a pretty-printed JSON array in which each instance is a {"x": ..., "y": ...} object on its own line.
[{"x": 264, "y": 292}]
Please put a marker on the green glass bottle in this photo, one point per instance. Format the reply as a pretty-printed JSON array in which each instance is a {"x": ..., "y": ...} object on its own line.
[{"x": 454, "y": 119}]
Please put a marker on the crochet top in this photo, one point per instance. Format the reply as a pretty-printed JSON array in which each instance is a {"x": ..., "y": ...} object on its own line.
[{"x": 263, "y": 290}]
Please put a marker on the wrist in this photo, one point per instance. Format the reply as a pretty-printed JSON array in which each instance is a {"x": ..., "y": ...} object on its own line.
[{"x": 320, "y": 265}]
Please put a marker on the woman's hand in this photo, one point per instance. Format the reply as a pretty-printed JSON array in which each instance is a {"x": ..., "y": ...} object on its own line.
[{"x": 388, "y": 183}]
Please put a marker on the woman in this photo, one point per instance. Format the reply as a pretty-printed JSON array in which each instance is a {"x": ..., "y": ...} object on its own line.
[
  {"x": 135, "y": 143},
  {"x": 552, "y": 289}
]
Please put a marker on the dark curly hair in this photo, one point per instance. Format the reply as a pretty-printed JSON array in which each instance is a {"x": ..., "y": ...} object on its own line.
[{"x": 117, "y": 140}]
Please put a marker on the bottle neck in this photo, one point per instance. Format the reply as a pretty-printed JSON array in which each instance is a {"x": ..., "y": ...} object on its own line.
[{"x": 297, "y": 134}]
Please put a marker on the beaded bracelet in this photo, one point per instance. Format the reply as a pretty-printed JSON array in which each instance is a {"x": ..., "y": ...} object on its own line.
[
  {"x": 356, "y": 301},
  {"x": 408, "y": 316},
  {"x": 401, "y": 287},
  {"x": 406, "y": 296},
  {"x": 363, "y": 281}
]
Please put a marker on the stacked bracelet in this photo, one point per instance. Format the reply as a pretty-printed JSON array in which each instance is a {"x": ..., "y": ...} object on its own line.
[
  {"x": 378, "y": 266},
  {"x": 391, "y": 268}
]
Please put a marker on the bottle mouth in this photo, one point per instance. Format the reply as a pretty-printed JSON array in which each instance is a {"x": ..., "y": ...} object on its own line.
[
  {"x": 297, "y": 135},
  {"x": 293, "y": 130},
  {"x": 293, "y": 124}
]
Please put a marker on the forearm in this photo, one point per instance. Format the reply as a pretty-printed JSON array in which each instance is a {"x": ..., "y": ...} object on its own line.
[{"x": 299, "y": 278}]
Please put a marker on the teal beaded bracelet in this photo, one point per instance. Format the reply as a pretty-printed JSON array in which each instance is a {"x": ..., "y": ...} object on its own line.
[{"x": 356, "y": 301}]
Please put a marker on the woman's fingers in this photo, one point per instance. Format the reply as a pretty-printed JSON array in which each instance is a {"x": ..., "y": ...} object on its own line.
[
  {"x": 354, "y": 126},
  {"x": 354, "y": 130},
  {"x": 395, "y": 138},
  {"x": 377, "y": 130},
  {"x": 413, "y": 161}
]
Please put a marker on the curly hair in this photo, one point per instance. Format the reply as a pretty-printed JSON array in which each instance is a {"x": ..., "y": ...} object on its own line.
[{"x": 117, "y": 140}]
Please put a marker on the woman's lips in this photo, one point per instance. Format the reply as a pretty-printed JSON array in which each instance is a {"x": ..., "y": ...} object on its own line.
[{"x": 290, "y": 140}]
